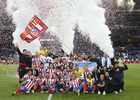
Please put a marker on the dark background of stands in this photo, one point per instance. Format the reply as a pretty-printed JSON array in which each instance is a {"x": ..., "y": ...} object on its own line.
[{"x": 124, "y": 25}]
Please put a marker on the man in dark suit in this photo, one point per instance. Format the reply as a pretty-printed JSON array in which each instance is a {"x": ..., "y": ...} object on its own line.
[
  {"x": 96, "y": 73},
  {"x": 94, "y": 59},
  {"x": 118, "y": 75},
  {"x": 23, "y": 61}
]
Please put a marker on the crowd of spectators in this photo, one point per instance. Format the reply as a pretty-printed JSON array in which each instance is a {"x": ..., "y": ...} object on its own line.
[
  {"x": 124, "y": 25},
  {"x": 81, "y": 41},
  {"x": 53, "y": 45}
]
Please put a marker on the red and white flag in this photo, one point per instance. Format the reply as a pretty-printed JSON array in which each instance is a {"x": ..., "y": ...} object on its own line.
[{"x": 35, "y": 28}]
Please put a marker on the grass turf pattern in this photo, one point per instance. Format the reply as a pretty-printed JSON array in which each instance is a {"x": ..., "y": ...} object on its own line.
[{"x": 9, "y": 84}]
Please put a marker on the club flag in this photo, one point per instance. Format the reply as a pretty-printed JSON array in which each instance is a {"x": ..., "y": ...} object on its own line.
[{"x": 34, "y": 29}]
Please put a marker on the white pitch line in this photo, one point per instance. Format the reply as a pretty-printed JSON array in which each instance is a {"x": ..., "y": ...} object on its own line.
[{"x": 50, "y": 96}]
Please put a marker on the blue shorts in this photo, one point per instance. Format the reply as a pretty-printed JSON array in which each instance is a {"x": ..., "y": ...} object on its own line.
[
  {"x": 77, "y": 88},
  {"x": 82, "y": 80},
  {"x": 25, "y": 89},
  {"x": 47, "y": 88},
  {"x": 90, "y": 89},
  {"x": 55, "y": 89},
  {"x": 39, "y": 87}
]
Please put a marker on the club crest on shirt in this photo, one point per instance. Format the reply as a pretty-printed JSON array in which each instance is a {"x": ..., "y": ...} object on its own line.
[
  {"x": 110, "y": 78},
  {"x": 117, "y": 69}
]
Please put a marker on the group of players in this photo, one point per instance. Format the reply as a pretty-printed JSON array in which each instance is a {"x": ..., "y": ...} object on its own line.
[{"x": 48, "y": 75}]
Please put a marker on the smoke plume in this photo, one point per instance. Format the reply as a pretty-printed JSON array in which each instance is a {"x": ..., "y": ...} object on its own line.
[{"x": 61, "y": 16}]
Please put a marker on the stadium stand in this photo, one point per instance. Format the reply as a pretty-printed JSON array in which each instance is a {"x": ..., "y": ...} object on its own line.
[{"x": 124, "y": 25}]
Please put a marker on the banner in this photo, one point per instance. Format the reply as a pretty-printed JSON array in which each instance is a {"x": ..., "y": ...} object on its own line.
[
  {"x": 47, "y": 40},
  {"x": 90, "y": 65},
  {"x": 35, "y": 28}
]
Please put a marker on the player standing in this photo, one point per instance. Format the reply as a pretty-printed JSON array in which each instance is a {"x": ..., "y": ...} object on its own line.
[
  {"x": 37, "y": 60},
  {"x": 23, "y": 60}
]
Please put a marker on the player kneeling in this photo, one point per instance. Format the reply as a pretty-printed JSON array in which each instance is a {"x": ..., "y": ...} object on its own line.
[
  {"x": 37, "y": 85},
  {"x": 89, "y": 84},
  {"x": 28, "y": 86},
  {"x": 75, "y": 82},
  {"x": 45, "y": 85}
]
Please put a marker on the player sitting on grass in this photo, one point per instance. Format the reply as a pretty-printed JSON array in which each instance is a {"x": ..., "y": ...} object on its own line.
[
  {"x": 45, "y": 85},
  {"x": 37, "y": 85},
  {"x": 53, "y": 81},
  {"x": 61, "y": 86},
  {"x": 90, "y": 83},
  {"x": 28, "y": 86},
  {"x": 76, "y": 84}
]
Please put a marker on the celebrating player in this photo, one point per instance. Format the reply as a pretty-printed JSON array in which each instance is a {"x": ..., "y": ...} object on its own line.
[
  {"x": 26, "y": 89},
  {"x": 76, "y": 84},
  {"x": 86, "y": 71},
  {"x": 90, "y": 84},
  {"x": 45, "y": 85}
]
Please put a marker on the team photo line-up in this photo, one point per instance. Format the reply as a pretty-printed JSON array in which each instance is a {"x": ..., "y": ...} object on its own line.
[{"x": 48, "y": 73}]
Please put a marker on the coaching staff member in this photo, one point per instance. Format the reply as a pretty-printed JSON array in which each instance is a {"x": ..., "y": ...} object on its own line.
[
  {"x": 23, "y": 60},
  {"x": 94, "y": 59},
  {"x": 118, "y": 75}
]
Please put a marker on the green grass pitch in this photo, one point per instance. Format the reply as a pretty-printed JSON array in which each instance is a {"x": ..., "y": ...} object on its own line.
[{"x": 9, "y": 84}]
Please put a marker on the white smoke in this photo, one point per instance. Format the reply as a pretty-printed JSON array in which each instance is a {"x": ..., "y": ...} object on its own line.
[
  {"x": 22, "y": 12},
  {"x": 61, "y": 16},
  {"x": 127, "y": 4},
  {"x": 91, "y": 19}
]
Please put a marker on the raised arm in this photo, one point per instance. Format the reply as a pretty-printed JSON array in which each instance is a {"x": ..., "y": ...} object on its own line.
[
  {"x": 124, "y": 68},
  {"x": 19, "y": 52}
]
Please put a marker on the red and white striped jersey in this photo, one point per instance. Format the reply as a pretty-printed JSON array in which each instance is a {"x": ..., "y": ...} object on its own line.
[
  {"x": 75, "y": 82},
  {"x": 53, "y": 81},
  {"x": 29, "y": 84},
  {"x": 68, "y": 84},
  {"x": 85, "y": 73},
  {"x": 46, "y": 81},
  {"x": 34, "y": 72},
  {"x": 81, "y": 61},
  {"x": 37, "y": 61},
  {"x": 70, "y": 60},
  {"x": 44, "y": 70},
  {"x": 27, "y": 76},
  {"x": 51, "y": 72},
  {"x": 68, "y": 74},
  {"x": 65, "y": 65},
  {"x": 40, "y": 79},
  {"x": 67, "y": 58},
  {"x": 61, "y": 73}
]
